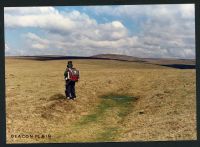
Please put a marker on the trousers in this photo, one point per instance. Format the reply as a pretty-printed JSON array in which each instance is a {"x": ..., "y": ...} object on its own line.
[{"x": 70, "y": 89}]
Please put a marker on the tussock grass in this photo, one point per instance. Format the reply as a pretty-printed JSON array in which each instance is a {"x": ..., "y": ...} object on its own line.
[
  {"x": 116, "y": 101},
  {"x": 58, "y": 96}
]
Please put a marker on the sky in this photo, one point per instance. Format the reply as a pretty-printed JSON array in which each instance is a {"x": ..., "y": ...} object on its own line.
[{"x": 146, "y": 31}]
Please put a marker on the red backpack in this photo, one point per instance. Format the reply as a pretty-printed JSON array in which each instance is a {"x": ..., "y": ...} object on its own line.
[{"x": 73, "y": 74}]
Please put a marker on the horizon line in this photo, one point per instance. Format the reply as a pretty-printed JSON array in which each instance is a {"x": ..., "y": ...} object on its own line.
[{"x": 177, "y": 58}]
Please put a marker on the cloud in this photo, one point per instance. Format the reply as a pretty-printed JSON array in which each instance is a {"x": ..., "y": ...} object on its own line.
[
  {"x": 10, "y": 51},
  {"x": 187, "y": 11},
  {"x": 6, "y": 47},
  {"x": 164, "y": 30},
  {"x": 73, "y": 23},
  {"x": 36, "y": 41},
  {"x": 29, "y": 10},
  {"x": 51, "y": 20},
  {"x": 136, "y": 11}
]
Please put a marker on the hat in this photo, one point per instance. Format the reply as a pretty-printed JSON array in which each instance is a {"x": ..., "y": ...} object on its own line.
[{"x": 69, "y": 62}]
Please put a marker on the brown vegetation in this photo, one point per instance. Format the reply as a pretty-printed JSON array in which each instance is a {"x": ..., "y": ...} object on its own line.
[{"x": 161, "y": 102}]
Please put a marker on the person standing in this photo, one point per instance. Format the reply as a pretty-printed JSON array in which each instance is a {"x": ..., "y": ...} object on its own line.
[{"x": 71, "y": 76}]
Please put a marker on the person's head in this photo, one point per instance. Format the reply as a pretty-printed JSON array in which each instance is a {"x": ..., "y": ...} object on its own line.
[{"x": 69, "y": 64}]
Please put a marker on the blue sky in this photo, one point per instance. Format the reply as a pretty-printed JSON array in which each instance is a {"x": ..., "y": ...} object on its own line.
[{"x": 151, "y": 31}]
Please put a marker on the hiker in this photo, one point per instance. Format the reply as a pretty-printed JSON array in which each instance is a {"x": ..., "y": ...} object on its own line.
[{"x": 71, "y": 76}]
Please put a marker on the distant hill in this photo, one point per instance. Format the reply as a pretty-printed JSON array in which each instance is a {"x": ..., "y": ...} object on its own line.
[
  {"x": 170, "y": 62},
  {"x": 118, "y": 57},
  {"x": 149, "y": 60}
]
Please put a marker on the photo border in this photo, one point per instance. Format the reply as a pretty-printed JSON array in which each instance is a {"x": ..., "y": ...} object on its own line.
[{"x": 26, "y": 3}]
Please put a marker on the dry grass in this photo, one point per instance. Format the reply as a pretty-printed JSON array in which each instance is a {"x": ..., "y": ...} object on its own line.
[{"x": 163, "y": 107}]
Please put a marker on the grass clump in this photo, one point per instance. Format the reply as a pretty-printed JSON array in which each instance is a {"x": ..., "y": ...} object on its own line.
[{"x": 57, "y": 96}]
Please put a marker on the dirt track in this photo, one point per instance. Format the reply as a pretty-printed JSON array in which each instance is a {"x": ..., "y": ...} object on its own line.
[{"x": 162, "y": 106}]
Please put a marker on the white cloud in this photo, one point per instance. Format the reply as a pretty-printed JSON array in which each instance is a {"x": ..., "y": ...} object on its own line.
[
  {"x": 10, "y": 51},
  {"x": 36, "y": 42},
  {"x": 49, "y": 21},
  {"x": 30, "y": 10},
  {"x": 187, "y": 11},
  {"x": 165, "y": 30},
  {"x": 39, "y": 46},
  {"x": 64, "y": 23},
  {"x": 6, "y": 47},
  {"x": 34, "y": 37}
]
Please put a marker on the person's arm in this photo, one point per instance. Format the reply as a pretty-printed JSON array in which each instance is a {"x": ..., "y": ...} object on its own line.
[
  {"x": 68, "y": 77},
  {"x": 66, "y": 74}
]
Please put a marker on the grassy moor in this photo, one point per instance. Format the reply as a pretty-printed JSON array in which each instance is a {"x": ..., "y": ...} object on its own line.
[{"x": 117, "y": 100}]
